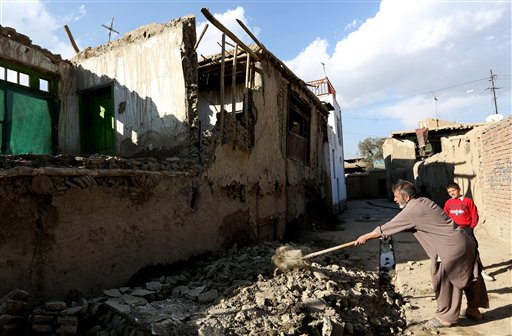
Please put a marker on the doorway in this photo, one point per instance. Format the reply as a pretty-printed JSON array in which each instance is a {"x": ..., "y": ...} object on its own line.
[{"x": 97, "y": 121}]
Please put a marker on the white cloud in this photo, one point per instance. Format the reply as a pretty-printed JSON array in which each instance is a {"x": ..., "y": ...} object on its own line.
[
  {"x": 34, "y": 20},
  {"x": 387, "y": 69},
  {"x": 447, "y": 107},
  {"x": 410, "y": 48},
  {"x": 75, "y": 15},
  {"x": 308, "y": 63},
  {"x": 351, "y": 26},
  {"x": 210, "y": 43}
]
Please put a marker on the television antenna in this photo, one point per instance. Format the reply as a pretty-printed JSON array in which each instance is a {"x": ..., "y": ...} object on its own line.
[
  {"x": 110, "y": 29},
  {"x": 323, "y": 65}
]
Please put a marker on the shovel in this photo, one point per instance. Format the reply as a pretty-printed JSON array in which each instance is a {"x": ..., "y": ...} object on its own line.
[
  {"x": 286, "y": 258},
  {"x": 338, "y": 247}
]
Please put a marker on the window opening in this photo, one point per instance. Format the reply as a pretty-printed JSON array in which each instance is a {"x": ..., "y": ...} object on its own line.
[
  {"x": 12, "y": 76},
  {"x": 27, "y": 78},
  {"x": 299, "y": 119},
  {"x": 24, "y": 79},
  {"x": 43, "y": 85}
]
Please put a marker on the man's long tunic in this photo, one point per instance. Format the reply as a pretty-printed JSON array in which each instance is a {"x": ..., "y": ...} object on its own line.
[{"x": 439, "y": 237}]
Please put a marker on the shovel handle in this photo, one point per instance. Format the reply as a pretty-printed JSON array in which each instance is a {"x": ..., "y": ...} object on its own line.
[{"x": 339, "y": 247}]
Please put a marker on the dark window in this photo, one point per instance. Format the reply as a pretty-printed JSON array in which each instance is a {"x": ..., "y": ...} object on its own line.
[{"x": 299, "y": 123}]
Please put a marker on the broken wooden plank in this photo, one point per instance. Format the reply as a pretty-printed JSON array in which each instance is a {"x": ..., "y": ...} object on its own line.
[
  {"x": 201, "y": 36},
  {"x": 251, "y": 35},
  {"x": 233, "y": 83},
  {"x": 246, "y": 93},
  {"x": 247, "y": 71},
  {"x": 226, "y": 31},
  {"x": 71, "y": 39},
  {"x": 222, "y": 68}
]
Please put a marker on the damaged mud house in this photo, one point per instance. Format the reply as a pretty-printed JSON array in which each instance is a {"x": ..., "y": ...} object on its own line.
[{"x": 135, "y": 153}]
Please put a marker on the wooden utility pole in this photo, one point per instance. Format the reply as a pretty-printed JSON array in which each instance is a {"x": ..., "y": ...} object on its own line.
[{"x": 493, "y": 89}]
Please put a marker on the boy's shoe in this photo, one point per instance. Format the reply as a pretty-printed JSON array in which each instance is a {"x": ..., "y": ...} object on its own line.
[{"x": 487, "y": 277}]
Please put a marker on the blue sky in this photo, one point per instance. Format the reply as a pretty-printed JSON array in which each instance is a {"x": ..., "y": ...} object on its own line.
[{"x": 392, "y": 62}]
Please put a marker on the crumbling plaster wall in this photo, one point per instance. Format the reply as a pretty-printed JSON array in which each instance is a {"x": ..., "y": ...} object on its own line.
[
  {"x": 399, "y": 159},
  {"x": 18, "y": 48},
  {"x": 97, "y": 235},
  {"x": 274, "y": 186},
  {"x": 153, "y": 71},
  {"x": 459, "y": 161}
]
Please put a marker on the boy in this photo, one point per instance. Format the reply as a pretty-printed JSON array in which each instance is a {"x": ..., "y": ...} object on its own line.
[{"x": 463, "y": 211}]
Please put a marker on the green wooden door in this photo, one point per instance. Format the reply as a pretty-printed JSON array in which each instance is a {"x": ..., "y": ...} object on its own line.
[{"x": 98, "y": 123}]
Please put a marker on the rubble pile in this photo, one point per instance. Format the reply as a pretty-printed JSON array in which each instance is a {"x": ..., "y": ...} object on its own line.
[
  {"x": 239, "y": 292},
  {"x": 191, "y": 160},
  {"x": 14, "y": 309},
  {"x": 99, "y": 161},
  {"x": 320, "y": 300}
]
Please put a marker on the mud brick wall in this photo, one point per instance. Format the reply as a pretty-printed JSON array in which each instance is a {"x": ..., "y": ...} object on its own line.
[
  {"x": 80, "y": 230},
  {"x": 496, "y": 177}
]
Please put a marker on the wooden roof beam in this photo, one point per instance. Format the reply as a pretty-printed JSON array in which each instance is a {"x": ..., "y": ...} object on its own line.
[{"x": 228, "y": 33}]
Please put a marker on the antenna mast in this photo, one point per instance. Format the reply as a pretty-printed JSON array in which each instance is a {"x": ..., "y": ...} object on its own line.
[{"x": 110, "y": 29}]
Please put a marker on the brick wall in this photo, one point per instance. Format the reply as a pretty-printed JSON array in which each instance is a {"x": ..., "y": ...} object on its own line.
[{"x": 495, "y": 177}]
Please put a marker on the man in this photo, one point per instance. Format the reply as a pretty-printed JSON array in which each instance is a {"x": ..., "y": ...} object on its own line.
[
  {"x": 452, "y": 252},
  {"x": 463, "y": 211}
]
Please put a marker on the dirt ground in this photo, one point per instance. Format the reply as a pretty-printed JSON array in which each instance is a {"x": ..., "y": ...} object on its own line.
[{"x": 412, "y": 277}]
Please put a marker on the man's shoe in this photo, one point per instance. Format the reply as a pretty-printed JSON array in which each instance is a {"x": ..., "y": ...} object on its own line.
[
  {"x": 435, "y": 323},
  {"x": 487, "y": 277},
  {"x": 473, "y": 314}
]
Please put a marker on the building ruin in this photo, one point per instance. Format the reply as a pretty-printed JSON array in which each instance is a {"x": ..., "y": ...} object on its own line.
[{"x": 141, "y": 155}]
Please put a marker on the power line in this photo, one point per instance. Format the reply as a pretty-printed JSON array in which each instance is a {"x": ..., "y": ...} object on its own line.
[
  {"x": 417, "y": 94},
  {"x": 369, "y": 118}
]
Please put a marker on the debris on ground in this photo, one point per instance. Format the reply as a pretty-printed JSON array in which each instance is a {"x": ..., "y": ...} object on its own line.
[{"x": 239, "y": 292}]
